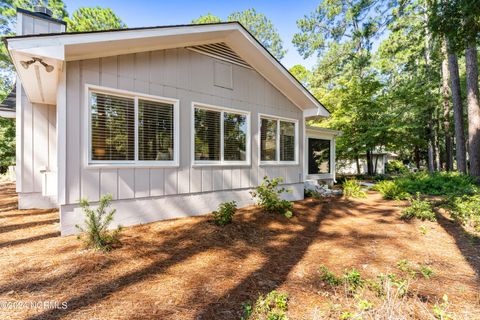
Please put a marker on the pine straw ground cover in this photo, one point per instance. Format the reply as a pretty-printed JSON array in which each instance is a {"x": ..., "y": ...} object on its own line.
[{"x": 192, "y": 269}]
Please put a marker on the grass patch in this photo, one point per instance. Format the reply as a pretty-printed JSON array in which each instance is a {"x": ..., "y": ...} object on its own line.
[{"x": 273, "y": 306}]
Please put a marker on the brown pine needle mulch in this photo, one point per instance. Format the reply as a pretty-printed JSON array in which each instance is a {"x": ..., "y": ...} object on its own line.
[{"x": 191, "y": 269}]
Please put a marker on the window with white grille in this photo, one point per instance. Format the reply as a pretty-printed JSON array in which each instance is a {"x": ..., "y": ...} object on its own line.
[
  {"x": 128, "y": 128},
  {"x": 278, "y": 140},
  {"x": 220, "y": 136}
]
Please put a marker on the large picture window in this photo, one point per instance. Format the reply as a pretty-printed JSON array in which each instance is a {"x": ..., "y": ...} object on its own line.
[
  {"x": 126, "y": 129},
  {"x": 278, "y": 140},
  {"x": 220, "y": 136}
]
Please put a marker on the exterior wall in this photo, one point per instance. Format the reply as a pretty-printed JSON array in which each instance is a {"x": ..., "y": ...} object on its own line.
[
  {"x": 36, "y": 131},
  {"x": 187, "y": 76}
]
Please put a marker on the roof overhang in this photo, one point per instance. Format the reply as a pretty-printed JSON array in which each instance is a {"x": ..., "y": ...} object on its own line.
[
  {"x": 322, "y": 131},
  {"x": 55, "y": 49}
]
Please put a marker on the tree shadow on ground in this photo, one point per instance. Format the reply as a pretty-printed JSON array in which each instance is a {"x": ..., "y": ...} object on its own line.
[
  {"x": 13, "y": 227},
  {"x": 17, "y": 242},
  {"x": 181, "y": 244},
  {"x": 469, "y": 246}
]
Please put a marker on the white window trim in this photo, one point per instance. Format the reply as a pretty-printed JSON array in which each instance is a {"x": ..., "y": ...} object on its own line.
[
  {"x": 277, "y": 150},
  {"x": 93, "y": 164},
  {"x": 221, "y": 162}
]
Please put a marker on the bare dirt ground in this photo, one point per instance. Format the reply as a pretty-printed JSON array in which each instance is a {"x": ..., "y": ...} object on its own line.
[{"x": 191, "y": 269}]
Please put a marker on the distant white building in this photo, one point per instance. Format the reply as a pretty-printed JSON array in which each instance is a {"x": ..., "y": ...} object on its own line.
[{"x": 379, "y": 158}]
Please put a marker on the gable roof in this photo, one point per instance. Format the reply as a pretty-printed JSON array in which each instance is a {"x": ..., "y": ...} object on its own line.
[{"x": 55, "y": 48}]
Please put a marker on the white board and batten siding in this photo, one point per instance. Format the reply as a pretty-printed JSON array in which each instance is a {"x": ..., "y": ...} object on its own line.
[
  {"x": 187, "y": 76},
  {"x": 35, "y": 133}
]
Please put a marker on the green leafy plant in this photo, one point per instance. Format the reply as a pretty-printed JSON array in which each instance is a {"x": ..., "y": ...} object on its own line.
[
  {"x": 225, "y": 212},
  {"x": 440, "y": 311},
  {"x": 273, "y": 306},
  {"x": 405, "y": 266},
  {"x": 329, "y": 277},
  {"x": 396, "y": 167},
  {"x": 420, "y": 209},
  {"x": 352, "y": 189},
  {"x": 97, "y": 222},
  {"x": 465, "y": 209},
  {"x": 390, "y": 190},
  {"x": 268, "y": 194},
  {"x": 426, "y": 271},
  {"x": 353, "y": 280}
]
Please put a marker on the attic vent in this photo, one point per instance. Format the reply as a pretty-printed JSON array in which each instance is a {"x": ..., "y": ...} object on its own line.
[{"x": 220, "y": 51}]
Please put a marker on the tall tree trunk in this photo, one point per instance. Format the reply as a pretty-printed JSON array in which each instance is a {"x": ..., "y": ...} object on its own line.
[
  {"x": 457, "y": 110},
  {"x": 357, "y": 161},
  {"x": 431, "y": 145},
  {"x": 473, "y": 108},
  {"x": 369, "y": 163},
  {"x": 417, "y": 158},
  {"x": 431, "y": 136},
  {"x": 446, "y": 110}
]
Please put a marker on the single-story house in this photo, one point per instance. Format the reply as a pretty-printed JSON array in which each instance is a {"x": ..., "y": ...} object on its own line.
[{"x": 170, "y": 120}]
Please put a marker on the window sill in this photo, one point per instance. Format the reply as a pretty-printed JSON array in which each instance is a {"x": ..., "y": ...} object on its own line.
[
  {"x": 131, "y": 165},
  {"x": 221, "y": 164},
  {"x": 277, "y": 164}
]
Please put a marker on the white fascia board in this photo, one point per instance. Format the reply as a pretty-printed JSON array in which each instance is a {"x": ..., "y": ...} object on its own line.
[
  {"x": 118, "y": 35},
  {"x": 315, "y": 112}
]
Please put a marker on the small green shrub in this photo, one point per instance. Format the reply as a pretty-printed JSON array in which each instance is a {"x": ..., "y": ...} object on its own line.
[
  {"x": 404, "y": 265},
  {"x": 273, "y": 306},
  {"x": 440, "y": 311},
  {"x": 465, "y": 209},
  {"x": 438, "y": 183},
  {"x": 420, "y": 209},
  {"x": 351, "y": 188},
  {"x": 267, "y": 196},
  {"x": 390, "y": 190},
  {"x": 225, "y": 212},
  {"x": 396, "y": 167},
  {"x": 426, "y": 271},
  {"x": 98, "y": 236},
  {"x": 329, "y": 277},
  {"x": 353, "y": 280}
]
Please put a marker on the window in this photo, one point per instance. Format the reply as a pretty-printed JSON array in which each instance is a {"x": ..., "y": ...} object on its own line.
[
  {"x": 126, "y": 128},
  {"x": 318, "y": 156},
  {"x": 278, "y": 140},
  {"x": 220, "y": 136}
]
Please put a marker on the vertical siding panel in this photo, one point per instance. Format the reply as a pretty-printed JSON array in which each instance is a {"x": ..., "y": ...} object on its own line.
[
  {"x": 74, "y": 112},
  {"x": 126, "y": 183},
  {"x": 183, "y": 180},
  {"x": 245, "y": 178},
  {"x": 236, "y": 178},
  {"x": 207, "y": 180},
  {"x": 108, "y": 182},
  {"x": 227, "y": 178},
  {"x": 170, "y": 70},
  {"x": 28, "y": 146},
  {"x": 171, "y": 181},
  {"x": 157, "y": 184},
  {"x": 157, "y": 62},
  {"x": 201, "y": 73},
  {"x": 142, "y": 182},
  {"x": 90, "y": 186},
  {"x": 217, "y": 175},
  {"x": 52, "y": 138},
  {"x": 40, "y": 143},
  {"x": 195, "y": 180}
]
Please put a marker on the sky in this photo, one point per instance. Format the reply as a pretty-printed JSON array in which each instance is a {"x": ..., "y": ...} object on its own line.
[{"x": 144, "y": 13}]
